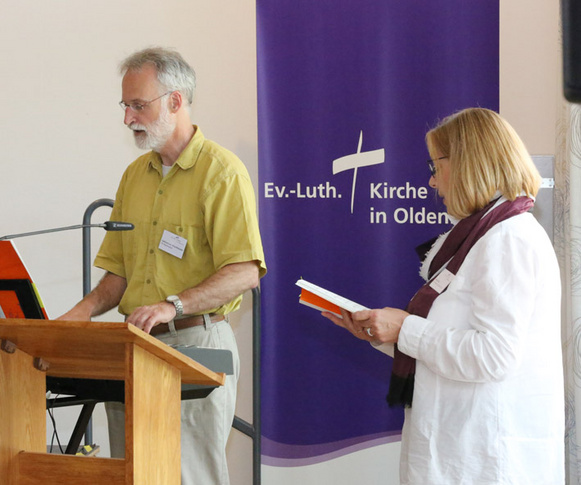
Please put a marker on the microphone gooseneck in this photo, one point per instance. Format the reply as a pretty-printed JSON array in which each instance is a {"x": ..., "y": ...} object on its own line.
[{"x": 108, "y": 226}]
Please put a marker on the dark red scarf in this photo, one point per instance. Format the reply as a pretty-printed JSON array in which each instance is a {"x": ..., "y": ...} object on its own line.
[{"x": 455, "y": 248}]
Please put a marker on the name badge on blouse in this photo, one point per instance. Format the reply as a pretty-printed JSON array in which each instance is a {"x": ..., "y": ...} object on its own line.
[
  {"x": 442, "y": 281},
  {"x": 173, "y": 244}
]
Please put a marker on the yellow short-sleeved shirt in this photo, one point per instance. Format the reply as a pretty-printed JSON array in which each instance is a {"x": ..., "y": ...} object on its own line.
[{"x": 206, "y": 198}]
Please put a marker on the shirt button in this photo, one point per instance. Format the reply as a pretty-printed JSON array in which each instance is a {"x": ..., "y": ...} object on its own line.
[
  {"x": 148, "y": 281},
  {"x": 154, "y": 223},
  {"x": 151, "y": 251},
  {"x": 160, "y": 192}
]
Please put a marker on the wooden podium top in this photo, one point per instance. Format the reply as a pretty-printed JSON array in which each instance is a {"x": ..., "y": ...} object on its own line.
[{"x": 95, "y": 350}]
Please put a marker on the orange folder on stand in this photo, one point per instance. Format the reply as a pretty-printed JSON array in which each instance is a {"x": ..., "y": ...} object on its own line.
[{"x": 19, "y": 297}]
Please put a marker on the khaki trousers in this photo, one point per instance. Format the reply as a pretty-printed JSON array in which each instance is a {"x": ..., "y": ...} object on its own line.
[{"x": 206, "y": 423}]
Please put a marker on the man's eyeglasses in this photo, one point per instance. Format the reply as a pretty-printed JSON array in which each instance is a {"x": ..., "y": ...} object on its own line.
[
  {"x": 432, "y": 166},
  {"x": 137, "y": 107}
]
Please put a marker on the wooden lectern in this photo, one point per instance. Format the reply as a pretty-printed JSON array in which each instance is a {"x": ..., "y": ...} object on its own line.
[{"x": 153, "y": 374}]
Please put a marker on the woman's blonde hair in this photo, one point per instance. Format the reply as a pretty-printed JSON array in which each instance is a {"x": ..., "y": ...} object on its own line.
[{"x": 486, "y": 155}]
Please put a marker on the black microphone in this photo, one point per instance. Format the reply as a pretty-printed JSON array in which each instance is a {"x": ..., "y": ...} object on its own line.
[
  {"x": 117, "y": 226},
  {"x": 108, "y": 226}
]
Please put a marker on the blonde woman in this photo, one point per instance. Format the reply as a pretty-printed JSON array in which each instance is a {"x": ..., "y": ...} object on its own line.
[{"x": 477, "y": 354}]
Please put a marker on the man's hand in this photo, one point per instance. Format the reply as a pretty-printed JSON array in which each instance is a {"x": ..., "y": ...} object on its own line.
[
  {"x": 224, "y": 285},
  {"x": 147, "y": 317}
]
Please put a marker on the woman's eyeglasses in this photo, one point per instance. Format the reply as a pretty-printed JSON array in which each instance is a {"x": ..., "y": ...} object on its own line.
[{"x": 432, "y": 165}]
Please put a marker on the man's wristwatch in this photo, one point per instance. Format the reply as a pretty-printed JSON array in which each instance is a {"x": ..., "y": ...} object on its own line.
[{"x": 175, "y": 300}]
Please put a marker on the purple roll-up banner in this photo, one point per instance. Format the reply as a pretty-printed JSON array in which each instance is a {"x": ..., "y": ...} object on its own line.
[{"x": 346, "y": 93}]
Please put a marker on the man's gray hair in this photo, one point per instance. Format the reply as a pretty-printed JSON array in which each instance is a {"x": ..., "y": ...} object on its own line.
[{"x": 173, "y": 72}]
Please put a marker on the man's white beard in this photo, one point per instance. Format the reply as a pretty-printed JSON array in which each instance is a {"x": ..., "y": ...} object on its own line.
[{"x": 155, "y": 136}]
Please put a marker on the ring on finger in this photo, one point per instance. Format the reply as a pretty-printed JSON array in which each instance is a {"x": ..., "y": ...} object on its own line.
[{"x": 368, "y": 330}]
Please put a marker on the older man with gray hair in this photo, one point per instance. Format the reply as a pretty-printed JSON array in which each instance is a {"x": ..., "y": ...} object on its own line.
[{"x": 195, "y": 249}]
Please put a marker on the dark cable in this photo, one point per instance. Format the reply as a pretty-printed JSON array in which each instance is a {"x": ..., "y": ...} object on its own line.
[{"x": 50, "y": 410}]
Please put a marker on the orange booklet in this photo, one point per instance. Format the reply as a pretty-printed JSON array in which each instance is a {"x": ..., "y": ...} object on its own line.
[{"x": 324, "y": 300}]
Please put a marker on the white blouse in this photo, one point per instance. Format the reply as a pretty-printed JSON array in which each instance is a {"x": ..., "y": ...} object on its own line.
[{"x": 488, "y": 405}]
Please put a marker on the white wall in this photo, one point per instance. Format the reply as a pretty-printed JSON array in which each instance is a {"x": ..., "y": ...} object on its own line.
[
  {"x": 64, "y": 143},
  {"x": 530, "y": 70}
]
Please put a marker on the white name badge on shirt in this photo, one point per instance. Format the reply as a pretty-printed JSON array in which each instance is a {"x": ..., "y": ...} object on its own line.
[
  {"x": 173, "y": 244},
  {"x": 442, "y": 281}
]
